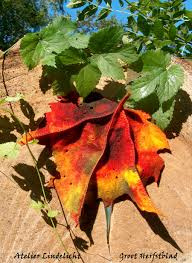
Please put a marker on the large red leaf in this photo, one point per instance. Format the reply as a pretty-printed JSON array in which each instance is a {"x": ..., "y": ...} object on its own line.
[
  {"x": 66, "y": 115},
  {"x": 148, "y": 139},
  {"x": 117, "y": 174},
  {"x": 103, "y": 142},
  {"x": 76, "y": 158}
]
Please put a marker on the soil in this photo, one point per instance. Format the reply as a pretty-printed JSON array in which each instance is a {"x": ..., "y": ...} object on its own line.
[{"x": 133, "y": 234}]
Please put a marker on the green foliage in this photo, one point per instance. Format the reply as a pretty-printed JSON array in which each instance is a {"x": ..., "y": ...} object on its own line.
[
  {"x": 161, "y": 78},
  {"x": 106, "y": 40},
  {"x": 164, "y": 114},
  {"x": 87, "y": 79},
  {"x": 16, "y": 98},
  {"x": 38, "y": 206},
  {"x": 109, "y": 66},
  {"x": 9, "y": 150},
  {"x": 42, "y": 47},
  {"x": 157, "y": 76},
  {"x": 52, "y": 213},
  {"x": 74, "y": 61},
  {"x": 68, "y": 56},
  {"x": 150, "y": 24}
]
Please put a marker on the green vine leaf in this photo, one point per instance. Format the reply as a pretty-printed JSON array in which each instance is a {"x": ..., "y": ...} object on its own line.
[
  {"x": 16, "y": 98},
  {"x": 79, "y": 40},
  {"x": 127, "y": 54},
  {"x": 106, "y": 40},
  {"x": 158, "y": 77},
  {"x": 170, "y": 82},
  {"x": 145, "y": 85},
  {"x": 164, "y": 115},
  {"x": 9, "y": 150},
  {"x": 87, "y": 79},
  {"x": 37, "y": 205},
  {"x": 153, "y": 60},
  {"x": 52, "y": 213},
  {"x": 71, "y": 56},
  {"x": 42, "y": 47},
  {"x": 109, "y": 66}
]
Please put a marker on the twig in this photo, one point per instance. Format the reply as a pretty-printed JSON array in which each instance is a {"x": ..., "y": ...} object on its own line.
[
  {"x": 109, "y": 8},
  {"x": 4, "y": 84}
]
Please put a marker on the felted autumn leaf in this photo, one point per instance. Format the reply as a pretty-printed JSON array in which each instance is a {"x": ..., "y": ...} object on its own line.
[{"x": 101, "y": 143}]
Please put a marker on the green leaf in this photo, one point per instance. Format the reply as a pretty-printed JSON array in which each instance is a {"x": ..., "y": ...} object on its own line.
[
  {"x": 164, "y": 115},
  {"x": 87, "y": 79},
  {"x": 133, "y": 7},
  {"x": 179, "y": 13},
  {"x": 71, "y": 56},
  {"x": 177, "y": 3},
  {"x": 30, "y": 51},
  {"x": 170, "y": 82},
  {"x": 157, "y": 77},
  {"x": 162, "y": 43},
  {"x": 143, "y": 25},
  {"x": 79, "y": 40},
  {"x": 109, "y": 66},
  {"x": 36, "y": 205},
  {"x": 103, "y": 14},
  {"x": 16, "y": 98},
  {"x": 106, "y": 40},
  {"x": 87, "y": 11},
  {"x": 127, "y": 54},
  {"x": 155, "y": 59},
  {"x": 132, "y": 23},
  {"x": 76, "y": 3},
  {"x": 145, "y": 85},
  {"x": 40, "y": 48},
  {"x": 9, "y": 150},
  {"x": 172, "y": 32},
  {"x": 158, "y": 29},
  {"x": 121, "y": 3},
  {"x": 188, "y": 13},
  {"x": 61, "y": 87},
  {"x": 52, "y": 213}
]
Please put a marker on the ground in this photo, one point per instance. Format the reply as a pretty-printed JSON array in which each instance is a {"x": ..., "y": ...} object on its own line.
[{"x": 22, "y": 229}]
